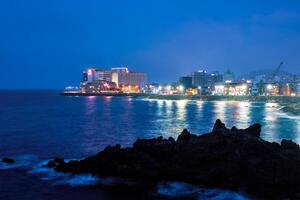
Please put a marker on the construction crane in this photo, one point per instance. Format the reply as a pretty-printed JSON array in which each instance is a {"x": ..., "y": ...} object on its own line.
[{"x": 276, "y": 72}]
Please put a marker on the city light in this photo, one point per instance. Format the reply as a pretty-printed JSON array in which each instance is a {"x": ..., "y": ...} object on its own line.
[
  {"x": 168, "y": 87},
  {"x": 269, "y": 86},
  {"x": 121, "y": 80},
  {"x": 181, "y": 88},
  {"x": 244, "y": 87}
]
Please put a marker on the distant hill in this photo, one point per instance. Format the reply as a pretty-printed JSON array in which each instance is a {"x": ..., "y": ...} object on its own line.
[{"x": 266, "y": 72}]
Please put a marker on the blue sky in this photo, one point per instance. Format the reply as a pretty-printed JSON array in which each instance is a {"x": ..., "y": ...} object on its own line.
[{"x": 48, "y": 43}]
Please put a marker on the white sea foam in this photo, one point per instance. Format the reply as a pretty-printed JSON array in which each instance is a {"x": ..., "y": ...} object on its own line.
[
  {"x": 21, "y": 161},
  {"x": 181, "y": 190},
  {"x": 59, "y": 178},
  {"x": 78, "y": 180}
]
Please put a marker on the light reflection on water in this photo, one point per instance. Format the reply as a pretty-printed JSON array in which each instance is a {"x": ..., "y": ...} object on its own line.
[
  {"x": 199, "y": 116},
  {"x": 169, "y": 117},
  {"x": 73, "y": 127}
]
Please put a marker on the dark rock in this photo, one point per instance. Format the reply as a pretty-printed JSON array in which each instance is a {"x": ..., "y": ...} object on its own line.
[
  {"x": 236, "y": 159},
  {"x": 184, "y": 136},
  {"x": 8, "y": 160},
  {"x": 51, "y": 164},
  {"x": 219, "y": 127},
  {"x": 56, "y": 162},
  {"x": 289, "y": 144},
  {"x": 254, "y": 130}
]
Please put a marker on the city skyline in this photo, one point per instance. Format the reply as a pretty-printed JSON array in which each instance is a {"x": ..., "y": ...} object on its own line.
[{"x": 47, "y": 44}]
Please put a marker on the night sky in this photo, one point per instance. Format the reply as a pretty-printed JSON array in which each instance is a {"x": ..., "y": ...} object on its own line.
[{"x": 48, "y": 43}]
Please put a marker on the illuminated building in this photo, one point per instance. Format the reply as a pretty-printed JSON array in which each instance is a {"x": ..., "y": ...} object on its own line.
[
  {"x": 286, "y": 90},
  {"x": 152, "y": 88},
  {"x": 103, "y": 75},
  {"x": 206, "y": 80},
  {"x": 180, "y": 89},
  {"x": 237, "y": 89},
  {"x": 219, "y": 90},
  {"x": 191, "y": 91},
  {"x": 201, "y": 78},
  {"x": 89, "y": 75},
  {"x": 129, "y": 89},
  {"x": 120, "y": 76},
  {"x": 217, "y": 77},
  {"x": 92, "y": 75},
  {"x": 232, "y": 89},
  {"x": 98, "y": 87},
  {"x": 120, "y": 69},
  {"x": 129, "y": 78},
  {"x": 271, "y": 89}
]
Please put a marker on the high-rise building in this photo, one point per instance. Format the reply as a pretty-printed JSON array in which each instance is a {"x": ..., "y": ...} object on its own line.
[
  {"x": 201, "y": 78},
  {"x": 92, "y": 75},
  {"x": 129, "y": 78},
  {"x": 120, "y": 69},
  {"x": 103, "y": 75},
  {"x": 89, "y": 75},
  {"x": 229, "y": 76},
  {"x": 186, "y": 81},
  {"x": 119, "y": 75},
  {"x": 217, "y": 77}
]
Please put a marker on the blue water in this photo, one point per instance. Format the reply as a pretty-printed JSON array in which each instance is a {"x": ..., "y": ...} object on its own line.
[{"x": 38, "y": 125}]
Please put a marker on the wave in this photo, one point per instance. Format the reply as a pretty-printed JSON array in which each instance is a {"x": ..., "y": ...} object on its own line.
[
  {"x": 170, "y": 189},
  {"x": 184, "y": 190},
  {"x": 22, "y": 161},
  {"x": 58, "y": 178}
]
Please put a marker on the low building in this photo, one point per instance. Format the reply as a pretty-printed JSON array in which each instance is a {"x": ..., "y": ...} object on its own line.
[
  {"x": 191, "y": 91},
  {"x": 232, "y": 89},
  {"x": 271, "y": 89},
  {"x": 98, "y": 87},
  {"x": 129, "y": 89},
  {"x": 151, "y": 88}
]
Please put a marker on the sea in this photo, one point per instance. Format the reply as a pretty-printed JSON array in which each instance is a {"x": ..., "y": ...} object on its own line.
[{"x": 38, "y": 125}]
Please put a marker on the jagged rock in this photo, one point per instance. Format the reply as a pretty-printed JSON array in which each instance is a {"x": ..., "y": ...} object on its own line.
[
  {"x": 254, "y": 130},
  {"x": 219, "y": 127},
  {"x": 289, "y": 144},
  {"x": 8, "y": 160},
  {"x": 55, "y": 162},
  {"x": 236, "y": 159}
]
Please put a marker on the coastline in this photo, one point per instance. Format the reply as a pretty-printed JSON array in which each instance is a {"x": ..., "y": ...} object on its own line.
[
  {"x": 279, "y": 99},
  {"x": 217, "y": 159},
  {"x": 288, "y": 104}
]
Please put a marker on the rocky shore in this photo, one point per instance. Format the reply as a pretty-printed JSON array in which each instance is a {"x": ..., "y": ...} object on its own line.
[{"x": 235, "y": 159}]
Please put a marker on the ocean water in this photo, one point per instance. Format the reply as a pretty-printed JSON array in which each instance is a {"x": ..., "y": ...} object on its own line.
[{"x": 38, "y": 125}]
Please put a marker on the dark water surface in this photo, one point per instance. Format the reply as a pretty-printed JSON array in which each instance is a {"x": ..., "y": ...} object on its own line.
[{"x": 38, "y": 125}]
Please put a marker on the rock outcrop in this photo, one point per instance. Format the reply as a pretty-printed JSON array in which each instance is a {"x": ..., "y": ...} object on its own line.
[
  {"x": 8, "y": 160},
  {"x": 236, "y": 159}
]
